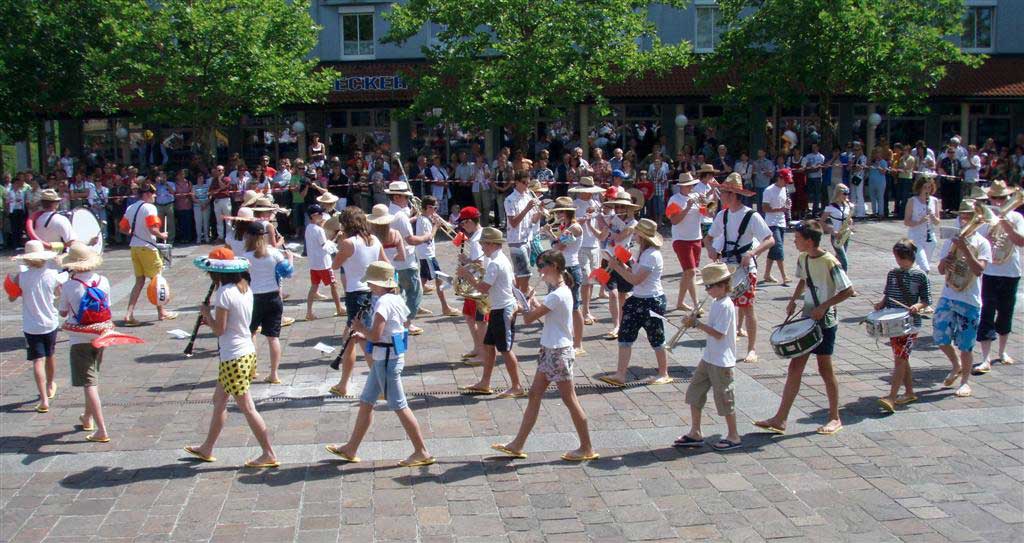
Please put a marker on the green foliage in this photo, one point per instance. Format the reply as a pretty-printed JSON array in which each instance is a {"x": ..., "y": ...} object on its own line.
[
  {"x": 497, "y": 62},
  {"x": 44, "y": 46},
  {"x": 887, "y": 51}
]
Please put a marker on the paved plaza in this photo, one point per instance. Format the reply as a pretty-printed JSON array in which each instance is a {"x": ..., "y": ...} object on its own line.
[{"x": 943, "y": 469}]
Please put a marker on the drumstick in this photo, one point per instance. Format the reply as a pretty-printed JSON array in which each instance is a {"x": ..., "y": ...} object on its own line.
[
  {"x": 904, "y": 306},
  {"x": 199, "y": 322}
]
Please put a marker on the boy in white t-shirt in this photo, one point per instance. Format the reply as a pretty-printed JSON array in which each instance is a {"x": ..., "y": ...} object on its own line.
[
  {"x": 715, "y": 370},
  {"x": 387, "y": 340},
  {"x": 775, "y": 204},
  {"x": 428, "y": 223},
  {"x": 320, "y": 252},
  {"x": 36, "y": 286}
]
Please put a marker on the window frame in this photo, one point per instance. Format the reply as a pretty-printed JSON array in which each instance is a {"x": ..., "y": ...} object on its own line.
[
  {"x": 698, "y": 6},
  {"x": 977, "y": 5},
  {"x": 356, "y": 11}
]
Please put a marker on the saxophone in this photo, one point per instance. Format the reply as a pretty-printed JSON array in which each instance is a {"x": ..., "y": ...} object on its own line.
[
  {"x": 464, "y": 289},
  {"x": 959, "y": 274},
  {"x": 1002, "y": 247},
  {"x": 843, "y": 235}
]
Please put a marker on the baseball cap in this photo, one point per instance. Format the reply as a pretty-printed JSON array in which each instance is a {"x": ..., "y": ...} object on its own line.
[
  {"x": 469, "y": 212},
  {"x": 314, "y": 209}
]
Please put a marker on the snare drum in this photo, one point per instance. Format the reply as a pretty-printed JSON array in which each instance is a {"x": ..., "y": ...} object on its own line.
[
  {"x": 739, "y": 282},
  {"x": 796, "y": 338},
  {"x": 887, "y": 323},
  {"x": 165, "y": 250}
]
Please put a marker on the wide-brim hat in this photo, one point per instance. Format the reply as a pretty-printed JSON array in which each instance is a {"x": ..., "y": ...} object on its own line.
[
  {"x": 637, "y": 196},
  {"x": 586, "y": 185},
  {"x": 564, "y": 203},
  {"x": 707, "y": 168},
  {"x": 49, "y": 195},
  {"x": 398, "y": 187},
  {"x": 35, "y": 250},
  {"x": 537, "y": 186},
  {"x": 648, "y": 230},
  {"x": 221, "y": 260},
  {"x": 263, "y": 204},
  {"x": 80, "y": 258},
  {"x": 492, "y": 235},
  {"x": 715, "y": 273},
  {"x": 249, "y": 198},
  {"x": 977, "y": 193},
  {"x": 332, "y": 226},
  {"x": 966, "y": 206},
  {"x": 687, "y": 179},
  {"x": 327, "y": 199},
  {"x": 381, "y": 274},
  {"x": 380, "y": 215},
  {"x": 734, "y": 183},
  {"x": 999, "y": 189}
]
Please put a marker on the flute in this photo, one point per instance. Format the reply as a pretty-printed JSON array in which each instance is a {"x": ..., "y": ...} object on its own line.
[
  {"x": 199, "y": 322},
  {"x": 348, "y": 339}
]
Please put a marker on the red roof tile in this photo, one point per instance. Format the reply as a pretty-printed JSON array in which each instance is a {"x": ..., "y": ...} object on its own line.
[{"x": 998, "y": 77}]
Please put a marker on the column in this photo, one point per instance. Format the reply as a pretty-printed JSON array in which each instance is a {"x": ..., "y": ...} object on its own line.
[
  {"x": 677, "y": 135},
  {"x": 489, "y": 152},
  {"x": 584, "y": 129},
  {"x": 393, "y": 129},
  {"x": 965, "y": 123}
]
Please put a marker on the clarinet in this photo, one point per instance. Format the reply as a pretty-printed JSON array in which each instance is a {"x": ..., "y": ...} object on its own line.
[
  {"x": 348, "y": 339},
  {"x": 199, "y": 322}
]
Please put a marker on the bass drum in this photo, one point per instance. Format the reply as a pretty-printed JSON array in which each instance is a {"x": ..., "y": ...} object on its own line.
[{"x": 87, "y": 228}]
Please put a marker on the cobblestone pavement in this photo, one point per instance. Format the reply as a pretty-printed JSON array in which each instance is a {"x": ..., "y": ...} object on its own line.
[{"x": 943, "y": 469}]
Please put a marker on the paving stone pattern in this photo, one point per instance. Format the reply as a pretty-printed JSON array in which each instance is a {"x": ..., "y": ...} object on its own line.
[{"x": 943, "y": 469}]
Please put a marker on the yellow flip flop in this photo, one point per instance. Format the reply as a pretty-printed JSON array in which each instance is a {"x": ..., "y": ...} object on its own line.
[
  {"x": 335, "y": 391},
  {"x": 131, "y": 323},
  {"x": 53, "y": 394},
  {"x": 199, "y": 455},
  {"x": 476, "y": 391},
  {"x": 611, "y": 381},
  {"x": 169, "y": 316},
  {"x": 769, "y": 428},
  {"x": 94, "y": 439},
  {"x": 573, "y": 458},
  {"x": 41, "y": 409},
  {"x": 508, "y": 452},
  {"x": 85, "y": 428},
  {"x": 522, "y": 394},
  {"x": 418, "y": 463},
  {"x": 263, "y": 465},
  {"x": 825, "y": 432},
  {"x": 662, "y": 381},
  {"x": 887, "y": 405},
  {"x": 336, "y": 452}
]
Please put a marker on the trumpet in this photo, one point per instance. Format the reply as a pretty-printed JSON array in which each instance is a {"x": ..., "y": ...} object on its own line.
[
  {"x": 444, "y": 226},
  {"x": 705, "y": 200}
]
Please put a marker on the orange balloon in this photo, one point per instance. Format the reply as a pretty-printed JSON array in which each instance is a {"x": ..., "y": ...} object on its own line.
[{"x": 158, "y": 291}]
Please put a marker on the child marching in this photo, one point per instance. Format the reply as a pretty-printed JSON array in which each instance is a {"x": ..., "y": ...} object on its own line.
[{"x": 36, "y": 286}]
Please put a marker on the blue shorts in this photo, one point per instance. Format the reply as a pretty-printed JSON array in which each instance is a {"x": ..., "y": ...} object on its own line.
[
  {"x": 776, "y": 252},
  {"x": 386, "y": 378},
  {"x": 956, "y": 323},
  {"x": 360, "y": 300},
  {"x": 428, "y": 266},
  {"x": 577, "y": 279}
]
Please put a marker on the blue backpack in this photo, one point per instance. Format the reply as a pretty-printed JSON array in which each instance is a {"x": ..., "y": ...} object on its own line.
[{"x": 94, "y": 306}]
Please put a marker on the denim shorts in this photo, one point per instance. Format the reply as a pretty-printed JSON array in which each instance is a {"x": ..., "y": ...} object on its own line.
[
  {"x": 428, "y": 266},
  {"x": 356, "y": 301},
  {"x": 776, "y": 252},
  {"x": 520, "y": 260},
  {"x": 577, "y": 279},
  {"x": 386, "y": 378}
]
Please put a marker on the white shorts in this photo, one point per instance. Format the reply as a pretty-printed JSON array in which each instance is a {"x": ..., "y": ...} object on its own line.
[{"x": 590, "y": 259}]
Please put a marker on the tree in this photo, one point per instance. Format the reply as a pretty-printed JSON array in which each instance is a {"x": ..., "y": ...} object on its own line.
[
  {"x": 888, "y": 51},
  {"x": 204, "y": 63},
  {"x": 497, "y": 62}
]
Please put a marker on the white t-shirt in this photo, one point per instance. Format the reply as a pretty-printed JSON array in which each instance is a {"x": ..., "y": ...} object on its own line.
[
  {"x": 498, "y": 274},
  {"x": 140, "y": 225},
  {"x": 71, "y": 297},
  {"x": 838, "y": 213},
  {"x": 557, "y": 331},
  {"x": 589, "y": 239},
  {"x": 687, "y": 229},
  {"x": 570, "y": 244},
  {"x": 918, "y": 211},
  {"x": 38, "y": 314},
  {"x": 651, "y": 261},
  {"x": 775, "y": 196},
  {"x": 394, "y": 311},
  {"x": 316, "y": 238},
  {"x": 756, "y": 231},
  {"x": 721, "y": 317},
  {"x": 1012, "y": 267},
  {"x": 426, "y": 249},
  {"x": 515, "y": 203},
  {"x": 404, "y": 227},
  {"x": 473, "y": 248},
  {"x": 236, "y": 341},
  {"x": 58, "y": 229},
  {"x": 972, "y": 294},
  {"x": 237, "y": 245},
  {"x": 262, "y": 271}
]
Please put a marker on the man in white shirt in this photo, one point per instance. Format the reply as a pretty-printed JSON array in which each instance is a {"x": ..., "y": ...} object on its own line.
[
  {"x": 408, "y": 269},
  {"x": 972, "y": 171},
  {"x": 519, "y": 205},
  {"x": 588, "y": 207},
  {"x": 142, "y": 223},
  {"x": 496, "y": 284},
  {"x": 742, "y": 236},
  {"x": 52, "y": 228},
  {"x": 776, "y": 203},
  {"x": 1001, "y": 279},
  {"x": 813, "y": 165},
  {"x": 685, "y": 208}
]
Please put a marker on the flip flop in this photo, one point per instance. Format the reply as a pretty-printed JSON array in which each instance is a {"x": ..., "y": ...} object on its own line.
[
  {"x": 833, "y": 431},
  {"x": 424, "y": 311},
  {"x": 726, "y": 445},
  {"x": 472, "y": 362},
  {"x": 961, "y": 393},
  {"x": 904, "y": 400},
  {"x": 262, "y": 465},
  {"x": 342, "y": 313},
  {"x": 750, "y": 359},
  {"x": 769, "y": 428},
  {"x": 53, "y": 394},
  {"x": 452, "y": 313},
  {"x": 687, "y": 442},
  {"x": 169, "y": 316},
  {"x": 415, "y": 331},
  {"x": 580, "y": 352},
  {"x": 287, "y": 321},
  {"x": 950, "y": 379},
  {"x": 508, "y": 394},
  {"x": 335, "y": 391},
  {"x": 662, "y": 381},
  {"x": 199, "y": 455},
  {"x": 417, "y": 463},
  {"x": 611, "y": 381},
  {"x": 507, "y": 451},
  {"x": 476, "y": 391},
  {"x": 91, "y": 437},
  {"x": 131, "y": 323},
  {"x": 270, "y": 381},
  {"x": 1007, "y": 360},
  {"x": 468, "y": 356},
  {"x": 41, "y": 409},
  {"x": 85, "y": 428},
  {"x": 588, "y": 321},
  {"x": 887, "y": 405},
  {"x": 573, "y": 458},
  {"x": 346, "y": 458},
  {"x": 611, "y": 335},
  {"x": 980, "y": 369}
]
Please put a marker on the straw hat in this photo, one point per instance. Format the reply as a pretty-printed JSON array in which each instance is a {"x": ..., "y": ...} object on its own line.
[
  {"x": 734, "y": 183},
  {"x": 966, "y": 206},
  {"x": 648, "y": 230},
  {"x": 262, "y": 204},
  {"x": 998, "y": 189},
  {"x": 380, "y": 215},
  {"x": 686, "y": 179},
  {"x": 80, "y": 258},
  {"x": 564, "y": 203},
  {"x": 707, "y": 169},
  {"x": 637, "y": 196},
  {"x": 977, "y": 193},
  {"x": 536, "y": 186},
  {"x": 221, "y": 260},
  {"x": 380, "y": 273},
  {"x": 244, "y": 214},
  {"x": 49, "y": 195},
  {"x": 327, "y": 199},
  {"x": 249, "y": 197},
  {"x": 492, "y": 235},
  {"x": 586, "y": 186},
  {"x": 398, "y": 187},
  {"x": 715, "y": 273},
  {"x": 35, "y": 251}
]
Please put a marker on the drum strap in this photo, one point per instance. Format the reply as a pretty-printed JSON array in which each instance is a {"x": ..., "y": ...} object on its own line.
[
  {"x": 47, "y": 224},
  {"x": 135, "y": 218},
  {"x": 737, "y": 250},
  {"x": 810, "y": 281}
]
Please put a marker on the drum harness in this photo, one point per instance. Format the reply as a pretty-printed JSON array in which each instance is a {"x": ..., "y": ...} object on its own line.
[
  {"x": 737, "y": 251},
  {"x": 47, "y": 225},
  {"x": 132, "y": 233}
]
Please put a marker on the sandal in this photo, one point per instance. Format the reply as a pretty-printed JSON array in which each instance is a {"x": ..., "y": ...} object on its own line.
[
  {"x": 611, "y": 381},
  {"x": 825, "y": 431},
  {"x": 417, "y": 463},
  {"x": 770, "y": 428},
  {"x": 335, "y": 391},
  {"x": 270, "y": 381},
  {"x": 94, "y": 439},
  {"x": 200, "y": 455},
  {"x": 42, "y": 409},
  {"x": 337, "y": 452},
  {"x": 262, "y": 465},
  {"x": 474, "y": 390},
  {"x": 950, "y": 379},
  {"x": 887, "y": 405},
  {"x": 904, "y": 400},
  {"x": 287, "y": 321},
  {"x": 588, "y": 321},
  {"x": 726, "y": 445},
  {"x": 584, "y": 458},
  {"x": 687, "y": 442},
  {"x": 508, "y": 452},
  {"x": 514, "y": 395}
]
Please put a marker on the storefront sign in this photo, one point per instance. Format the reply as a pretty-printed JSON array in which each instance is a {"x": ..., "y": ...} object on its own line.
[{"x": 370, "y": 83}]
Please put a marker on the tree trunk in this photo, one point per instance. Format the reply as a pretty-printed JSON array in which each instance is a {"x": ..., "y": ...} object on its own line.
[
  {"x": 41, "y": 149},
  {"x": 828, "y": 127}
]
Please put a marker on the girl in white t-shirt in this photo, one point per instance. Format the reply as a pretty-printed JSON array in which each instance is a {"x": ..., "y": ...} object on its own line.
[
  {"x": 568, "y": 238},
  {"x": 230, "y": 322},
  {"x": 832, "y": 219},
  {"x": 267, "y": 266},
  {"x": 556, "y": 358},
  {"x": 36, "y": 285},
  {"x": 387, "y": 339}
]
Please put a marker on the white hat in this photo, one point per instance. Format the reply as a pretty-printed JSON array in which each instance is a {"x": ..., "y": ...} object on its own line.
[{"x": 35, "y": 250}]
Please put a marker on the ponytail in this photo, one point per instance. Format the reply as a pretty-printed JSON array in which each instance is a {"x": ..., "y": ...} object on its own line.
[{"x": 569, "y": 281}]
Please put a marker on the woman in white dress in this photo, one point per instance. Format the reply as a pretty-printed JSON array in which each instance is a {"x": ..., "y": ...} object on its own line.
[{"x": 922, "y": 219}]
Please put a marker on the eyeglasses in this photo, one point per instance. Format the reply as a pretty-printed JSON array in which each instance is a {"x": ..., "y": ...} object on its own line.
[{"x": 844, "y": 192}]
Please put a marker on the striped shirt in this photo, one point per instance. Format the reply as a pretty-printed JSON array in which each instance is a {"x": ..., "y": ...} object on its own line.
[{"x": 907, "y": 287}]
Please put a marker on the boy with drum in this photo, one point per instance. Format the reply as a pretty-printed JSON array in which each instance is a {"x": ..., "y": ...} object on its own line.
[
  {"x": 906, "y": 287},
  {"x": 823, "y": 285}
]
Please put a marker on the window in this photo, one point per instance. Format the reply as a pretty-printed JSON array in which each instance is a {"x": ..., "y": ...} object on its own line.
[
  {"x": 978, "y": 28},
  {"x": 708, "y": 28},
  {"x": 357, "y": 35}
]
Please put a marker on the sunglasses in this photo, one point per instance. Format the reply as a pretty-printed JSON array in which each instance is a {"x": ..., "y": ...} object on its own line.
[{"x": 844, "y": 192}]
